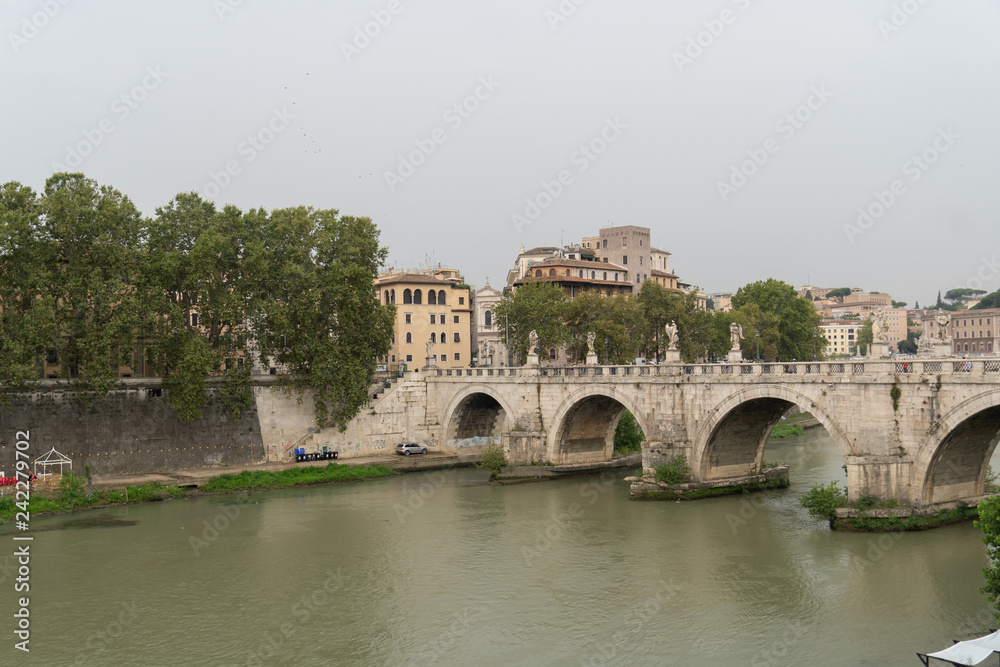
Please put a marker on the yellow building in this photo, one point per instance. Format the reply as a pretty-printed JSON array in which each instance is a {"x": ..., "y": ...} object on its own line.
[{"x": 434, "y": 307}]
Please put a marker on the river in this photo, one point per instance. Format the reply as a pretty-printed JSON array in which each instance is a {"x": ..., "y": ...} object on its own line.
[{"x": 440, "y": 568}]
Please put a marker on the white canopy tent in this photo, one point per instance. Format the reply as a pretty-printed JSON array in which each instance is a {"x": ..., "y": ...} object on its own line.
[
  {"x": 50, "y": 460},
  {"x": 971, "y": 652}
]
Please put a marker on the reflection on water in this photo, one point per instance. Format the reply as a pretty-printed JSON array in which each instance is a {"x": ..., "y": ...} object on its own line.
[{"x": 440, "y": 568}]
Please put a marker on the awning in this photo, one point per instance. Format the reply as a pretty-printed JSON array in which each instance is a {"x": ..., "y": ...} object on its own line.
[{"x": 971, "y": 652}]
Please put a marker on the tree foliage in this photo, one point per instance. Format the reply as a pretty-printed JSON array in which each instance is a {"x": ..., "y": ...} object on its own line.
[
  {"x": 795, "y": 317},
  {"x": 195, "y": 292},
  {"x": 866, "y": 336},
  {"x": 534, "y": 306},
  {"x": 989, "y": 523},
  {"x": 840, "y": 292},
  {"x": 628, "y": 435},
  {"x": 989, "y": 301},
  {"x": 962, "y": 294}
]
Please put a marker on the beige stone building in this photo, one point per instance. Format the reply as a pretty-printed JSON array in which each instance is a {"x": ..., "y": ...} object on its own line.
[
  {"x": 628, "y": 246},
  {"x": 575, "y": 276},
  {"x": 431, "y": 307},
  {"x": 490, "y": 335},
  {"x": 841, "y": 337},
  {"x": 975, "y": 331}
]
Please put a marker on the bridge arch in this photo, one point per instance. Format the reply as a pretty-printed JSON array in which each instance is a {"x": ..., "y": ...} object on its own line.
[
  {"x": 732, "y": 438},
  {"x": 476, "y": 412},
  {"x": 953, "y": 459},
  {"x": 583, "y": 428}
]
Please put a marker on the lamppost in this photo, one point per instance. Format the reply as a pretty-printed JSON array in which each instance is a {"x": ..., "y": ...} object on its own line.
[
  {"x": 815, "y": 334},
  {"x": 606, "y": 362},
  {"x": 756, "y": 337},
  {"x": 506, "y": 327}
]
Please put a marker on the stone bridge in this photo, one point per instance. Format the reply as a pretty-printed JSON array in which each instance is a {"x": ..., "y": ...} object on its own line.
[{"x": 920, "y": 432}]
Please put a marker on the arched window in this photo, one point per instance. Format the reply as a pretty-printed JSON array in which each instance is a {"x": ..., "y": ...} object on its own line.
[
  {"x": 392, "y": 296},
  {"x": 616, "y": 277},
  {"x": 567, "y": 272},
  {"x": 434, "y": 337},
  {"x": 418, "y": 297},
  {"x": 409, "y": 337},
  {"x": 552, "y": 352},
  {"x": 488, "y": 319},
  {"x": 387, "y": 302},
  {"x": 441, "y": 301},
  {"x": 432, "y": 298},
  {"x": 538, "y": 273},
  {"x": 552, "y": 273},
  {"x": 605, "y": 275},
  {"x": 407, "y": 296},
  {"x": 444, "y": 338}
]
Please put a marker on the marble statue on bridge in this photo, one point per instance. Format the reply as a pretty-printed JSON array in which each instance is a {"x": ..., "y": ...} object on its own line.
[
  {"x": 672, "y": 336},
  {"x": 591, "y": 337},
  {"x": 735, "y": 335}
]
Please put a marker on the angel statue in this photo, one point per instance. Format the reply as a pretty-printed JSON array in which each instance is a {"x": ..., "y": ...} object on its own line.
[
  {"x": 591, "y": 337},
  {"x": 672, "y": 336},
  {"x": 532, "y": 342},
  {"x": 736, "y": 334},
  {"x": 430, "y": 348},
  {"x": 942, "y": 322}
]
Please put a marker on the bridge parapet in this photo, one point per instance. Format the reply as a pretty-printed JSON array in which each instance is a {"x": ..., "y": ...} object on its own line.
[{"x": 771, "y": 370}]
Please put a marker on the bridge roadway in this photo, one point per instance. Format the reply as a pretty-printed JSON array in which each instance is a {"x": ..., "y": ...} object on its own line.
[{"x": 918, "y": 431}]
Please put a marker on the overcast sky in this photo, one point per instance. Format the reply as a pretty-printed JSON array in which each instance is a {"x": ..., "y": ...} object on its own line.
[{"x": 746, "y": 134}]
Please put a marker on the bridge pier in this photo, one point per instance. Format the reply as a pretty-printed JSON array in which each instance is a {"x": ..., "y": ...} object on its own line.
[{"x": 887, "y": 477}]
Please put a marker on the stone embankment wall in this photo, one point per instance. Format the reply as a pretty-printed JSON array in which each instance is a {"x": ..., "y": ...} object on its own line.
[{"x": 132, "y": 430}]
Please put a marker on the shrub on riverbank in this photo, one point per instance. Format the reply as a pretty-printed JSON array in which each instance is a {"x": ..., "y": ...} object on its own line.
[
  {"x": 787, "y": 431},
  {"x": 493, "y": 459},
  {"x": 823, "y": 501},
  {"x": 675, "y": 471},
  {"x": 265, "y": 479}
]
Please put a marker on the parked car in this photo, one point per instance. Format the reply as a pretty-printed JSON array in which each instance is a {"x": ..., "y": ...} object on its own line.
[{"x": 408, "y": 448}]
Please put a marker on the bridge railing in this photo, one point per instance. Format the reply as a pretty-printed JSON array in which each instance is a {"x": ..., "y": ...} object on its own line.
[{"x": 771, "y": 370}]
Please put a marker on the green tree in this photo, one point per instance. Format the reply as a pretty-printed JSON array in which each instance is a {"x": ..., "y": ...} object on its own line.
[
  {"x": 989, "y": 523},
  {"x": 320, "y": 317},
  {"x": 865, "y": 338},
  {"x": 659, "y": 307},
  {"x": 91, "y": 255},
  {"x": 908, "y": 346},
  {"x": 840, "y": 292},
  {"x": 616, "y": 320},
  {"x": 534, "y": 306},
  {"x": 628, "y": 435},
  {"x": 760, "y": 332},
  {"x": 899, "y": 304},
  {"x": 962, "y": 294},
  {"x": 989, "y": 301},
  {"x": 797, "y": 319}
]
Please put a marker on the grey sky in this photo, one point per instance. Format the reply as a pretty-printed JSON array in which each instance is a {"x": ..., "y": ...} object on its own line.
[{"x": 208, "y": 78}]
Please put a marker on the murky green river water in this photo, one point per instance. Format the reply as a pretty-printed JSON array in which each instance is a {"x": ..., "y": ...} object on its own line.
[{"x": 438, "y": 568}]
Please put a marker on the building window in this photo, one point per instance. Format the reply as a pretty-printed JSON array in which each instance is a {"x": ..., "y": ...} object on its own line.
[
  {"x": 552, "y": 353},
  {"x": 417, "y": 297},
  {"x": 455, "y": 319},
  {"x": 605, "y": 244},
  {"x": 194, "y": 319},
  {"x": 407, "y": 296},
  {"x": 488, "y": 319},
  {"x": 432, "y": 298},
  {"x": 409, "y": 338},
  {"x": 387, "y": 302},
  {"x": 441, "y": 297},
  {"x": 461, "y": 300},
  {"x": 624, "y": 259},
  {"x": 409, "y": 357},
  {"x": 457, "y": 338},
  {"x": 552, "y": 273},
  {"x": 433, "y": 318},
  {"x": 458, "y": 357},
  {"x": 538, "y": 273},
  {"x": 392, "y": 296},
  {"x": 407, "y": 317},
  {"x": 434, "y": 338},
  {"x": 394, "y": 358},
  {"x": 616, "y": 277},
  {"x": 640, "y": 260},
  {"x": 444, "y": 338}
]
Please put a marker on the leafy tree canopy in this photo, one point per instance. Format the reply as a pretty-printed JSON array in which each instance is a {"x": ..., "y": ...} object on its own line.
[{"x": 797, "y": 319}]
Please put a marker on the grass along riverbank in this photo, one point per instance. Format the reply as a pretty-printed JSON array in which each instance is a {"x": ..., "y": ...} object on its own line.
[{"x": 74, "y": 495}]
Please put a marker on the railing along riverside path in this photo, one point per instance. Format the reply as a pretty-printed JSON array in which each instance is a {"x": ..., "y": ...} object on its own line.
[{"x": 772, "y": 371}]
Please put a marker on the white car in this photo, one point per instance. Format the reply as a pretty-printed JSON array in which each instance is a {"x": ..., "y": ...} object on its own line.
[{"x": 408, "y": 448}]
